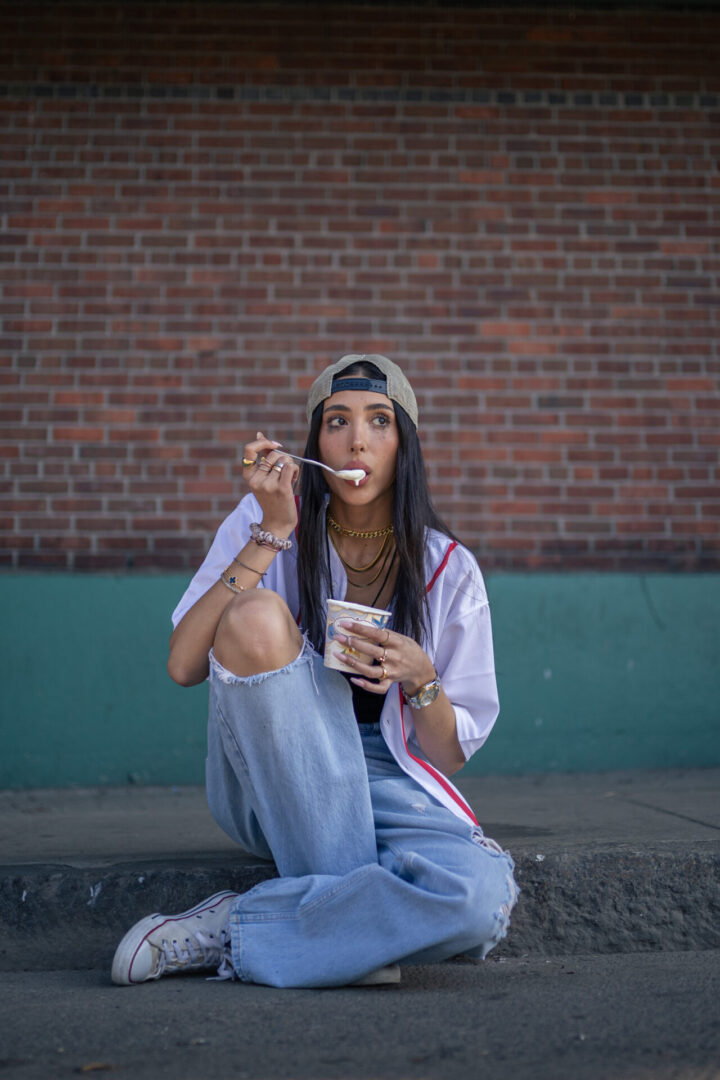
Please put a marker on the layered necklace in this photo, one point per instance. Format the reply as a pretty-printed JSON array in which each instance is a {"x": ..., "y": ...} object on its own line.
[
  {"x": 371, "y": 534},
  {"x": 382, "y": 559}
]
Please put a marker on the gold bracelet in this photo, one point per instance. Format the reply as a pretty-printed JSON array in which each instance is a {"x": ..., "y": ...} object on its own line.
[
  {"x": 260, "y": 573},
  {"x": 231, "y": 583}
]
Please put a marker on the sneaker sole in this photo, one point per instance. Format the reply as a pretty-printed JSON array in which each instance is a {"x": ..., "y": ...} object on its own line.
[
  {"x": 127, "y": 950},
  {"x": 384, "y": 976}
]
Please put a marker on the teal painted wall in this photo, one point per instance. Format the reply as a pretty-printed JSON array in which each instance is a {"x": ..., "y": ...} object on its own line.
[
  {"x": 605, "y": 671},
  {"x": 596, "y": 671}
]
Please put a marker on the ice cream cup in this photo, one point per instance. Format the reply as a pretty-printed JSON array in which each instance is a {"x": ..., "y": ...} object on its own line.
[{"x": 344, "y": 609}]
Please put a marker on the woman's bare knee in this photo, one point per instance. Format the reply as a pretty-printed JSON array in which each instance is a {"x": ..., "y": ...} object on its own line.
[{"x": 256, "y": 633}]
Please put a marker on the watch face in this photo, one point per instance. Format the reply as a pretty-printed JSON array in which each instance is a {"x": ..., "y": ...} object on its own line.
[{"x": 426, "y": 695}]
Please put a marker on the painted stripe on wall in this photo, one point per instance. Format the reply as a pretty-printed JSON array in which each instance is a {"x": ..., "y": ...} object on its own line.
[{"x": 596, "y": 671}]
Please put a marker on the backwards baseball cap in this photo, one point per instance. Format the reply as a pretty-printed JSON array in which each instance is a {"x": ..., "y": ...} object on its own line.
[{"x": 393, "y": 383}]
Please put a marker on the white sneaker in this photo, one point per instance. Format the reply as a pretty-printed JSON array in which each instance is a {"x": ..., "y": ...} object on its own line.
[
  {"x": 159, "y": 945},
  {"x": 383, "y": 976}
]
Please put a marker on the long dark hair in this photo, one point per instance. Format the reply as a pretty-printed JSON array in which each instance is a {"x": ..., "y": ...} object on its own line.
[{"x": 413, "y": 513}]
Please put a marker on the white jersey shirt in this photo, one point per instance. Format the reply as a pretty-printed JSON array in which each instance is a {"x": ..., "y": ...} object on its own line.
[{"x": 459, "y": 640}]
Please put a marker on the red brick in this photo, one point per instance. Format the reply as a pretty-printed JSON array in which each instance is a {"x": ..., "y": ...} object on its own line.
[
  {"x": 80, "y": 434},
  {"x": 175, "y": 271}
]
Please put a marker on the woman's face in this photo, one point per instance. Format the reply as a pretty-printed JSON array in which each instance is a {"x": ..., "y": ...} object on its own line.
[{"x": 359, "y": 431}]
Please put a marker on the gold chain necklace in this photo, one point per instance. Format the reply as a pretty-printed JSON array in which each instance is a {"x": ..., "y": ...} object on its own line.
[
  {"x": 371, "y": 534},
  {"x": 360, "y": 569},
  {"x": 373, "y": 579}
]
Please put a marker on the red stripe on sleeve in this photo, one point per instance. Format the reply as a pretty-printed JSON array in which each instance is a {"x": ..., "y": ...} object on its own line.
[
  {"x": 443, "y": 564},
  {"x": 437, "y": 776}
]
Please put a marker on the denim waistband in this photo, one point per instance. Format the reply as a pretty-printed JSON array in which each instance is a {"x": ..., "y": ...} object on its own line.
[{"x": 370, "y": 729}]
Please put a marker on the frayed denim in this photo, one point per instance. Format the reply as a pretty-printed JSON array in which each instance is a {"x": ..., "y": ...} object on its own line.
[{"x": 373, "y": 869}]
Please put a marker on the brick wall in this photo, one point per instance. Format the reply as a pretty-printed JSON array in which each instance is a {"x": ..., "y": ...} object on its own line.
[{"x": 204, "y": 203}]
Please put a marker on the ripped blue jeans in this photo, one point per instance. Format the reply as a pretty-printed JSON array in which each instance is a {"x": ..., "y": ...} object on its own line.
[{"x": 373, "y": 869}]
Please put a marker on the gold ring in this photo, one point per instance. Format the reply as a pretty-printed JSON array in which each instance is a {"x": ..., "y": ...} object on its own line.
[
  {"x": 280, "y": 466},
  {"x": 383, "y": 658},
  {"x": 247, "y": 462},
  {"x": 384, "y": 674}
]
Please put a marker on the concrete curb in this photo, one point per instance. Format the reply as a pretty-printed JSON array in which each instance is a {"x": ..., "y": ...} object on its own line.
[
  {"x": 607, "y": 863},
  {"x": 588, "y": 901}
]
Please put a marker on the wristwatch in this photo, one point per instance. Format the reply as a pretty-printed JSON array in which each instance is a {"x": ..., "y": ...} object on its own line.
[{"x": 425, "y": 694}]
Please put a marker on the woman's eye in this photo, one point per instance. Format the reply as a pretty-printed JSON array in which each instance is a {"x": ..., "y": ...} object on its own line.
[
  {"x": 336, "y": 421},
  {"x": 381, "y": 420}
]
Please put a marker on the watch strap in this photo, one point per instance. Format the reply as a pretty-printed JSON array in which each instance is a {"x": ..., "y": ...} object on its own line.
[{"x": 424, "y": 694}]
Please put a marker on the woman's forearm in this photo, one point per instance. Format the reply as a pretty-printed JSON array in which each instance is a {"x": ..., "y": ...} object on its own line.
[
  {"x": 436, "y": 732},
  {"x": 192, "y": 638}
]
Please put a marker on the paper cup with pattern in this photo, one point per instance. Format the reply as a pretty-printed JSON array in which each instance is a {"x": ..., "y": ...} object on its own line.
[{"x": 344, "y": 609}]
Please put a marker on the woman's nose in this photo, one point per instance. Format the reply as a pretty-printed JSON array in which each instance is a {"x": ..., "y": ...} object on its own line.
[{"x": 357, "y": 438}]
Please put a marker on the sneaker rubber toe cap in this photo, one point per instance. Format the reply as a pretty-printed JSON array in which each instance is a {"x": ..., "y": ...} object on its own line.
[{"x": 134, "y": 963}]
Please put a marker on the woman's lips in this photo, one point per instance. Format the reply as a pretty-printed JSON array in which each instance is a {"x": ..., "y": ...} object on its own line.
[{"x": 358, "y": 467}]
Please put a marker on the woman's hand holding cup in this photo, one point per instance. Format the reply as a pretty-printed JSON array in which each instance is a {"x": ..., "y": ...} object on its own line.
[{"x": 380, "y": 657}]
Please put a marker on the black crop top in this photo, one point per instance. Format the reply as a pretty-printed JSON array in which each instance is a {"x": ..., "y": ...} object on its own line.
[{"x": 367, "y": 706}]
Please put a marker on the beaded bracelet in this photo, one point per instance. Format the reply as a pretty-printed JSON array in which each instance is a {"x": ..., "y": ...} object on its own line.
[{"x": 268, "y": 539}]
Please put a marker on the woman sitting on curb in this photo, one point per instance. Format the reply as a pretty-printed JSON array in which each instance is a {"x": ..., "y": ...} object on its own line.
[{"x": 341, "y": 780}]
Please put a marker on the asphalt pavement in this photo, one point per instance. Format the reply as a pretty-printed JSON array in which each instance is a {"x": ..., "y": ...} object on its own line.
[{"x": 640, "y": 1016}]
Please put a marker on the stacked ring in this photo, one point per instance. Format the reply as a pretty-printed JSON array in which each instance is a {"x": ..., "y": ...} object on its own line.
[
  {"x": 280, "y": 466},
  {"x": 247, "y": 462}
]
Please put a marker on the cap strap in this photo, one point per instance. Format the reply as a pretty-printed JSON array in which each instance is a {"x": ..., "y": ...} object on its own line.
[{"x": 378, "y": 385}]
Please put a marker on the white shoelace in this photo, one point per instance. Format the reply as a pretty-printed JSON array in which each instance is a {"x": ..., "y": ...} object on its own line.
[
  {"x": 225, "y": 970},
  {"x": 199, "y": 951}
]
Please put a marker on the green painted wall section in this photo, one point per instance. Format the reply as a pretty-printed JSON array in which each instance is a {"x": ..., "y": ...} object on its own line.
[
  {"x": 596, "y": 671},
  {"x": 605, "y": 671}
]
